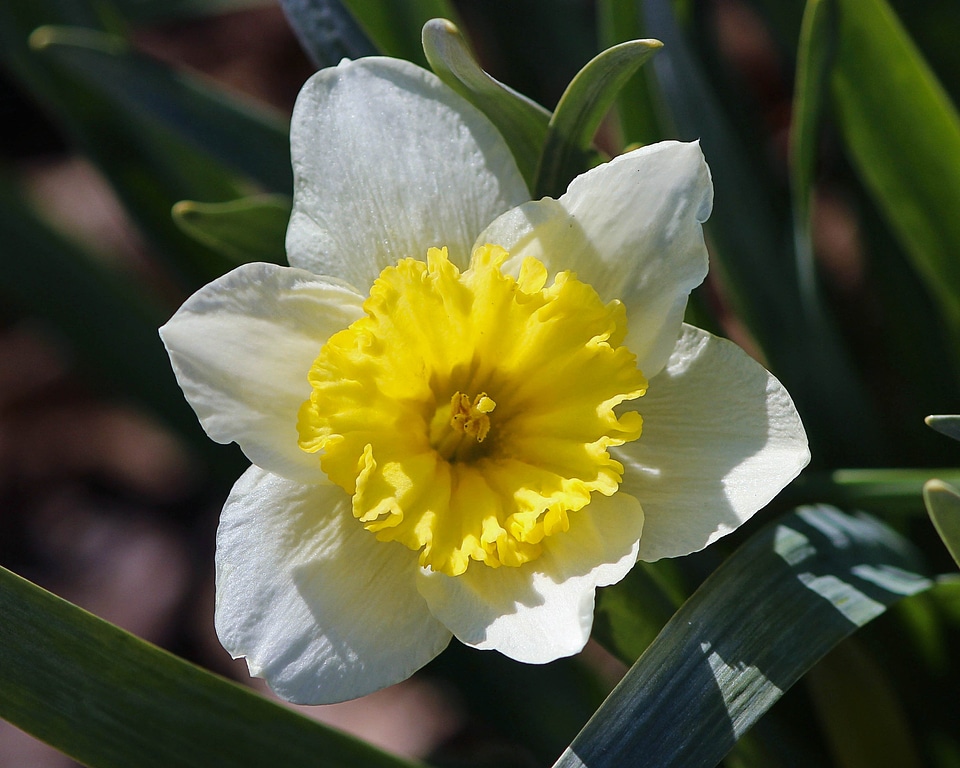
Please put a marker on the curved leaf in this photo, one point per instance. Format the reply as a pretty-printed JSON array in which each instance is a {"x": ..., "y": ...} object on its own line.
[
  {"x": 580, "y": 110},
  {"x": 522, "y": 122},
  {"x": 243, "y": 136},
  {"x": 639, "y": 108},
  {"x": 248, "y": 229},
  {"x": 904, "y": 137},
  {"x": 111, "y": 700},
  {"x": 943, "y": 506},
  {"x": 774, "y": 608}
]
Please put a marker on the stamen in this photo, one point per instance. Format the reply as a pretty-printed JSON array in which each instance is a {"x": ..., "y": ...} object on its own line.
[{"x": 471, "y": 419}]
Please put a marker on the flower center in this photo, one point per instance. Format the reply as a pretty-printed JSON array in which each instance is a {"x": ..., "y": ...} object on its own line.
[
  {"x": 467, "y": 414},
  {"x": 456, "y": 431}
]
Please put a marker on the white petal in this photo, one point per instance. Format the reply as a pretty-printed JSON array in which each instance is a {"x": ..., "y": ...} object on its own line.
[
  {"x": 721, "y": 437},
  {"x": 319, "y": 608},
  {"x": 543, "y": 610},
  {"x": 632, "y": 229},
  {"x": 241, "y": 348},
  {"x": 388, "y": 162}
]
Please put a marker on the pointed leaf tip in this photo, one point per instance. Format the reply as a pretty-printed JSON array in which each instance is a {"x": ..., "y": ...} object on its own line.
[
  {"x": 582, "y": 108},
  {"x": 943, "y": 506},
  {"x": 521, "y": 121},
  {"x": 945, "y": 425}
]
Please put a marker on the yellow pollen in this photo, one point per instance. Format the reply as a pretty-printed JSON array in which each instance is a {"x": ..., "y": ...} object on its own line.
[
  {"x": 459, "y": 478},
  {"x": 471, "y": 419},
  {"x": 458, "y": 427}
]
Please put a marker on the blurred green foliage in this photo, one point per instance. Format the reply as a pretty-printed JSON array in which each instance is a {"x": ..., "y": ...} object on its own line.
[{"x": 832, "y": 133}]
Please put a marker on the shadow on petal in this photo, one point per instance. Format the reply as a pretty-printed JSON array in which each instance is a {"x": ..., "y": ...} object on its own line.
[
  {"x": 542, "y": 610},
  {"x": 721, "y": 437}
]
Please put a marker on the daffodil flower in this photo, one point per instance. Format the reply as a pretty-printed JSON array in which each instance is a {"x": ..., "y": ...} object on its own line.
[{"x": 465, "y": 410}]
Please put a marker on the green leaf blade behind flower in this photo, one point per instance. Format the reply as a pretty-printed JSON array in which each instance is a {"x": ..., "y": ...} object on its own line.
[
  {"x": 943, "y": 506},
  {"x": 148, "y": 164},
  {"x": 327, "y": 31},
  {"x": 111, "y": 700},
  {"x": 631, "y": 613},
  {"x": 522, "y": 122},
  {"x": 903, "y": 134},
  {"x": 768, "y": 614},
  {"x": 857, "y": 706},
  {"x": 248, "y": 229},
  {"x": 395, "y": 25},
  {"x": 245, "y": 137},
  {"x": 580, "y": 110},
  {"x": 641, "y": 115},
  {"x": 817, "y": 47},
  {"x": 752, "y": 240}
]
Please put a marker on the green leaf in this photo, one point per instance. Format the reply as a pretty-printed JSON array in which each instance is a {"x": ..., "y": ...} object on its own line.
[
  {"x": 111, "y": 700},
  {"x": 774, "y": 608},
  {"x": 631, "y": 613},
  {"x": 580, "y": 110},
  {"x": 639, "y": 106},
  {"x": 859, "y": 711},
  {"x": 817, "y": 47},
  {"x": 943, "y": 506},
  {"x": 149, "y": 166},
  {"x": 245, "y": 137},
  {"x": 395, "y": 25},
  {"x": 904, "y": 138},
  {"x": 327, "y": 31},
  {"x": 248, "y": 229},
  {"x": 880, "y": 490},
  {"x": 522, "y": 122},
  {"x": 945, "y": 425},
  {"x": 752, "y": 240}
]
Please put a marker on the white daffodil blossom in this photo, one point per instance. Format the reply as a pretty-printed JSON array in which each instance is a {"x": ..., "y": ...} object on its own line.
[{"x": 465, "y": 410}]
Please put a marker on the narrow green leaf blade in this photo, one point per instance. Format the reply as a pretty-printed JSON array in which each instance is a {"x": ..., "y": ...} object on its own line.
[
  {"x": 631, "y": 613},
  {"x": 327, "y": 31},
  {"x": 111, "y": 700},
  {"x": 522, "y": 122},
  {"x": 639, "y": 108},
  {"x": 774, "y": 608},
  {"x": 753, "y": 248},
  {"x": 248, "y": 229},
  {"x": 943, "y": 506},
  {"x": 580, "y": 110},
  {"x": 395, "y": 25},
  {"x": 859, "y": 711},
  {"x": 904, "y": 137},
  {"x": 247, "y": 138},
  {"x": 148, "y": 165},
  {"x": 889, "y": 491},
  {"x": 817, "y": 47}
]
